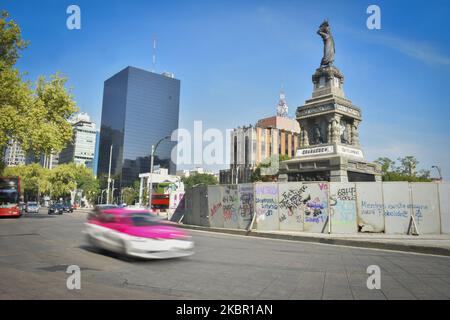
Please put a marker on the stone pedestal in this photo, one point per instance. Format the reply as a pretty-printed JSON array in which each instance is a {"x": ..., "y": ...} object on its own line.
[{"x": 329, "y": 141}]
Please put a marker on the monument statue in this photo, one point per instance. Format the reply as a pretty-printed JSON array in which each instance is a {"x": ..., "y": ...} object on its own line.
[{"x": 328, "y": 44}]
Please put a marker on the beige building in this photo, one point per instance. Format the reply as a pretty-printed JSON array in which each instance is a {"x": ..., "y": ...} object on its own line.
[{"x": 251, "y": 145}]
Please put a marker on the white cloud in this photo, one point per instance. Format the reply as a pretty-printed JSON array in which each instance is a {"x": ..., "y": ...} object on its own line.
[{"x": 414, "y": 49}]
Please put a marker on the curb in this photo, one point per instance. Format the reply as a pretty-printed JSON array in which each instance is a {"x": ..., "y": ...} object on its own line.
[{"x": 340, "y": 242}]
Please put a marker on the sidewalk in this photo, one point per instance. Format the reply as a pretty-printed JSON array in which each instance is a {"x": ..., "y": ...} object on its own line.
[{"x": 428, "y": 244}]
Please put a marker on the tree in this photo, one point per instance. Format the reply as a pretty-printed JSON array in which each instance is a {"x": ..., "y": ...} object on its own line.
[
  {"x": 35, "y": 116},
  {"x": 408, "y": 165},
  {"x": 34, "y": 179},
  {"x": 86, "y": 182},
  {"x": 11, "y": 41},
  {"x": 129, "y": 195},
  {"x": 386, "y": 164},
  {"x": 257, "y": 175},
  {"x": 405, "y": 172},
  {"x": 63, "y": 180},
  {"x": 199, "y": 178}
]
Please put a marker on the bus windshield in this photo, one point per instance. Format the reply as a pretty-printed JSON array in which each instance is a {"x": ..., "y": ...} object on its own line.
[
  {"x": 9, "y": 193},
  {"x": 8, "y": 197}
]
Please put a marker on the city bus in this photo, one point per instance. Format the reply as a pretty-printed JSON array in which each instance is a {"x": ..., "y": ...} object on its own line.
[{"x": 10, "y": 197}]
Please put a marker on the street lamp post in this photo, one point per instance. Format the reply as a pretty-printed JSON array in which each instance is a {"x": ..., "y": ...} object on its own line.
[
  {"x": 150, "y": 186},
  {"x": 101, "y": 197},
  {"x": 439, "y": 171},
  {"x": 109, "y": 174}
]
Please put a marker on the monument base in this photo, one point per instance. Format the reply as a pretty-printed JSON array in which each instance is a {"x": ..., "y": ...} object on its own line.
[{"x": 333, "y": 168}]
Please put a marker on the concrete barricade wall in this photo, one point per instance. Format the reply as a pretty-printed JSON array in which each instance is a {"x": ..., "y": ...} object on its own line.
[
  {"x": 266, "y": 206},
  {"x": 425, "y": 206},
  {"x": 189, "y": 202},
  {"x": 215, "y": 206},
  {"x": 230, "y": 203},
  {"x": 444, "y": 206},
  {"x": 200, "y": 206},
  {"x": 291, "y": 205},
  {"x": 316, "y": 207},
  {"x": 343, "y": 208},
  {"x": 246, "y": 205},
  {"x": 306, "y": 206},
  {"x": 370, "y": 207},
  {"x": 397, "y": 209}
]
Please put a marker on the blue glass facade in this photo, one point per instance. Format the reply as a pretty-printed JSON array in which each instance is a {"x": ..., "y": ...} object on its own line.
[{"x": 139, "y": 108}]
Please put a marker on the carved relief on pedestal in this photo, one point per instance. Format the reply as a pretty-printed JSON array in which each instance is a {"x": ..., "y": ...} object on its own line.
[
  {"x": 317, "y": 134},
  {"x": 304, "y": 139},
  {"x": 355, "y": 133},
  {"x": 335, "y": 132}
]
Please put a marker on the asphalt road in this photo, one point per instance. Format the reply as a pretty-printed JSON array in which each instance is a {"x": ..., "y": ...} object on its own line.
[{"x": 36, "y": 250}]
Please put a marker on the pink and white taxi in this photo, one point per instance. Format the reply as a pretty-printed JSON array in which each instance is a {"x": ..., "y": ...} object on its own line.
[{"x": 137, "y": 233}]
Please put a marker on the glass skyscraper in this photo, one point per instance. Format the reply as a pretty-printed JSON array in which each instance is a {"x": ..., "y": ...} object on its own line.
[{"x": 139, "y": 108}]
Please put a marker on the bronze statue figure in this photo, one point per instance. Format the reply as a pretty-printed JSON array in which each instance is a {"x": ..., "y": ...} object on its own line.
[{"x": 328, "y": 41}]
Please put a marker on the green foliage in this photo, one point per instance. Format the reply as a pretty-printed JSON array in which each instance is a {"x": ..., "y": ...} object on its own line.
[
  {"x": 258, "y": 177},
  {"x": 129, "y": 195},
  {"x": 35, "y": 116},
  {"x": 34, "y": 179},
  {"x": 58, "y": 182},
  {"x": 11, "y": 41},
  {"x": 406, "y": 171},
  {"x": 199, "y": 178},
  {"x": 65, "y": 178}
]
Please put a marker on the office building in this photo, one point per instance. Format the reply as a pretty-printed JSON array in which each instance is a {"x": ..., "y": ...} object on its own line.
[
  {"x": 139, "y": 108},
  {"x": 82, "y": 148},
  {"x": 13, "y": 154},
  {"x": 253, "y": 144}
]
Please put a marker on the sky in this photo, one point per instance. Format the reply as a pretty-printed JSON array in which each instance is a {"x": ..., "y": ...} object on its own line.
[{"x": 233, "y": 57}]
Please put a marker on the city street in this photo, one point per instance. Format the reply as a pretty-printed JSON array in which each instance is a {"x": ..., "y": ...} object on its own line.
[{"x": 35, "y": 251}]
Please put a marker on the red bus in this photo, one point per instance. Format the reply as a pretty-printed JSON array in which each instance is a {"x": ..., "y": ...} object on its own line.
[{"x": 10, "y": 197}]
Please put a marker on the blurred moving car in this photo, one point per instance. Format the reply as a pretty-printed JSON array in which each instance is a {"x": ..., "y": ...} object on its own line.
[
  {"x": 32, "y": 207},
  {"x": 98, "y": 209},
  {"x": 56, "y": 208},
  {"x": 137, "y": 233}
]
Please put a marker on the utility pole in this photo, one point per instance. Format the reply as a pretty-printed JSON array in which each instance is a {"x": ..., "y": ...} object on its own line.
[
  {"x": 150, "y": 187},
  {"x": 109, "y": 175}
]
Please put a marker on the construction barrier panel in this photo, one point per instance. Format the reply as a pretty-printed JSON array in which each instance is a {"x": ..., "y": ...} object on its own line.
[
  {"x": 397, "y": 208},
  {"x": 369, "y": 196},
  {"x": 291, "y": 205},
  {"x": 246, "y": 205},
  {"x": 425, "y": 207},
  {"x": 266, "y": 206},
  {"x": 343, "y": 208},
  {"x": 444, "y": 206},
  {"x": 230, "y": 203},
  {"x": 316, "y": 207},
  {"x": 215, "y": 207},
  {"x": 305, "y": 206}
]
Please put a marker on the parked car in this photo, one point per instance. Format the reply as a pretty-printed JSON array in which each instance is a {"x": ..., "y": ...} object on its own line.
[
  {"x": 137, "y": 233},
  {"x": 67, "y": 207},
  {"x": 32, "y": 207},
  {"x": 56, "y": 208}
]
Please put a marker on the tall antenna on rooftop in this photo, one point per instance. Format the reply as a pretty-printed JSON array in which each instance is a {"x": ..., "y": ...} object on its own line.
[{"x": 154, "y": 54}]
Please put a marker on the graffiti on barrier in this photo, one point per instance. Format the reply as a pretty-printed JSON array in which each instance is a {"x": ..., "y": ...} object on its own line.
[
  {"x": 230, "y": 203},
  {"x": 293, "y": 201},
  {"x": 343, "y": 208}
]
